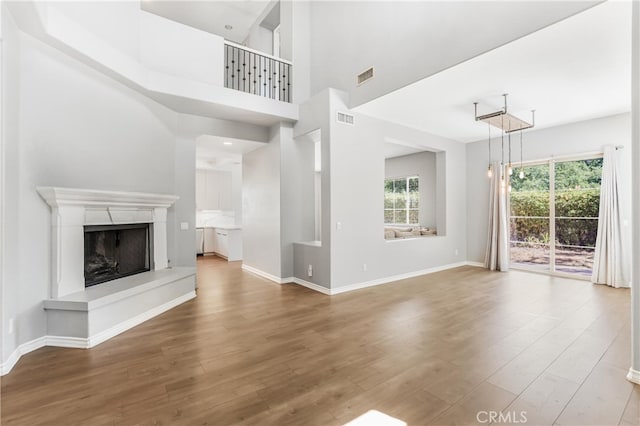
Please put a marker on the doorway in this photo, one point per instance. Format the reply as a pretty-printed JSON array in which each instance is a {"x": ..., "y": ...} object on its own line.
[{"x": 554, "y": 206}]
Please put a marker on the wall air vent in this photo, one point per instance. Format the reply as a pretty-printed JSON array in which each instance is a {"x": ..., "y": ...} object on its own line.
[
  {"x": 345, "y": 118},
  {"x": 365, "y": 76}
]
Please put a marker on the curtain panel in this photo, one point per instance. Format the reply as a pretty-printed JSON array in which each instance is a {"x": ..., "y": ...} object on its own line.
[{"x": 497, "y": 251}]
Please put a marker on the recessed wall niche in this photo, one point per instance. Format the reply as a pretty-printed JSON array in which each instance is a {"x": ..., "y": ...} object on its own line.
[{"x": 414, "y": 191}]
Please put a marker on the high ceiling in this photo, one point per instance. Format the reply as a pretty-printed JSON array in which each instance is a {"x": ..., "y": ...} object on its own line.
[
  {"x": 577, "y": 69},
  {"x": 211, "y": 16}
]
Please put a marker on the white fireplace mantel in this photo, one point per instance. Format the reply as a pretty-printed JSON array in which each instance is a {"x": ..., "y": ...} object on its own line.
[{"x": 72, "y": 209}]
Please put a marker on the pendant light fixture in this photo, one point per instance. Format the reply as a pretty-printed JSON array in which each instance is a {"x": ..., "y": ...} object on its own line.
[
  {"x": 508, "y": 123},
  {"x": 521, "y": 176},
  {"x": 510, "y": 168},
  {"x": 502, "y": 181}
]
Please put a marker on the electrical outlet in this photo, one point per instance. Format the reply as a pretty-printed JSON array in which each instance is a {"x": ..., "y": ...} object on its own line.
[
  {"x": 455, "y": 252},
  {"x": 338, "y": 225},
  {"x": 364, "y": 266},
  {"x": 310, "y": 271},
  {"x": 184, "y": 226},
  {"x": 11, "y": 325}
]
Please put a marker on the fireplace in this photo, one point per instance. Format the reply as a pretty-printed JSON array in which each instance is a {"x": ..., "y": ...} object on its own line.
[
  {"x": 101, "y": 235},
  {"x": 115, "y": 251}
]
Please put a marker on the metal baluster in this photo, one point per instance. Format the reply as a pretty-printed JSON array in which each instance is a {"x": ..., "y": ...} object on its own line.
[
  {"x": 226, "y": 66},
  {"x": 233, "y": 70},
  {"x": 244, "y": 70},
  {"x": 238, "y": 68},
  {"x": 288, "y": 83},
  {"x": 254, "y": 74},
  {"x": 275, "y": 79},
  {"x": 264, "y": 75},
  {"x": 250, "y": 78}
]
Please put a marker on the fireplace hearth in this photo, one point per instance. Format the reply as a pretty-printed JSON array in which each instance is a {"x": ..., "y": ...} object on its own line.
[{"x": 115, "y": 251}]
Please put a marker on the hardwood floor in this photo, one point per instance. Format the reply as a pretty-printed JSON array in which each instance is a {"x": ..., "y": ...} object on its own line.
[{"x": 439, "y": 349}]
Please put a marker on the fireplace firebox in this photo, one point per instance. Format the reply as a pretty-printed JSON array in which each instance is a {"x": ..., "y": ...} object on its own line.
[{"x": 115, "y": 251}]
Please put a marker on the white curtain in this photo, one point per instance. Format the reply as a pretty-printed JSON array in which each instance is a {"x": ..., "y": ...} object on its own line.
[
  {"x": 497, "y": 253},
  {"x": 610, "y": 264}
]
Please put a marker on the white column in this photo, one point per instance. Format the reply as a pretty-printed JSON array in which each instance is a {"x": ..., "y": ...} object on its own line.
[
  {"x": 160, "y": 260},
  {"x": 634, "y": 371},
  {"x": 67, "y": 250}
]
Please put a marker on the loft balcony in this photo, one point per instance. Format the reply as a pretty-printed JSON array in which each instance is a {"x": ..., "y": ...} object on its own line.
[
  {"x": 257, "y": 73},
  {"x": 188, "y": 70}
]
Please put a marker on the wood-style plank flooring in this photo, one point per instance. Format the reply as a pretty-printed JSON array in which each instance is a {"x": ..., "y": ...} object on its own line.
[{"x": 437, "y": 349}]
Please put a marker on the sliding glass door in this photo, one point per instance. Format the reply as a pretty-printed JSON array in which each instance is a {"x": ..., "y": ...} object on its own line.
[{"x": 554, "y": 215}]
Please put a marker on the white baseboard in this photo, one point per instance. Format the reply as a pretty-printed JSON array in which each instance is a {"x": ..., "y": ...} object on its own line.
[
  {"x": 476, "y": 264},
  {"x": 138, "y": 319},
  {"x": 312, "y": 286},
  {"x": 634, "y": 376},
  {"x": 86, "y": 343},
  {"x": 385, "y": 280},
  {"x": 67, "y": 342},
  {"x": 266, "y": 275},
  {"x": 379, "y": 281},
  {"x": 23, "y": 349}
]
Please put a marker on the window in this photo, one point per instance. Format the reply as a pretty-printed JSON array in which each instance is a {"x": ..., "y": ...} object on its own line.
[{"x": 401, "y": 201}]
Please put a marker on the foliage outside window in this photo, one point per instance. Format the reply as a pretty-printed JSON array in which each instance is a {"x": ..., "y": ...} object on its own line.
[
  {"x": 401, "y": 201},
  {"x": 554, "y": 215}
]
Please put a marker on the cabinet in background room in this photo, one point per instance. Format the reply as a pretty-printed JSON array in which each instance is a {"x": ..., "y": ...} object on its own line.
[
  {"x": 210, "y": 240},
  {"x": 199, "y": 241},
  {"x": 213, "y": 190}
]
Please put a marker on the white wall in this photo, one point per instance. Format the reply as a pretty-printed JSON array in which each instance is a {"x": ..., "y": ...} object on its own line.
[
  {"x": 408, "y": 41},
  {"x": 423, "y": 165},
  {"x": 77, "y": 129},
  {"x": 295, "y": 45},
  {"x": 315, "y": 115},
  {"x": 567, "y": 140},
  {"x": 10, "y": 179},
  {"x": 160, "y": 44},
  {"x": 261, "y": 206},
  {"x": 118, "y": 22},
  {"x": 260, "y": 39},
  {"x": 68, "y": 125},
  {"x": 357, "y": 182},
  {"x": 179, "y": 50}
]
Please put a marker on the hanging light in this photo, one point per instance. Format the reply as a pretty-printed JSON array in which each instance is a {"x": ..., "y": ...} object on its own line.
[
  {"x": 513, "y": 124},
  {"x": 489, "y": 167},
  {"x": 510, "y": 168},
  {"x": 521, "y": 175}
]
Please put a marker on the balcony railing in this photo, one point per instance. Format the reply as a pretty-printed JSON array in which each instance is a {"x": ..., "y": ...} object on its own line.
[{"x": 250, "y": 71}]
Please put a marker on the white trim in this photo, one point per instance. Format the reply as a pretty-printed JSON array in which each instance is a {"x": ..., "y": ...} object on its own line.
[
  {"x": 634, "y": 376},
  {"x": 312, "y": 286},
  {"x": 257, "y": 52},
  {"x": 385, "y": 280},
  {"x": 138, "y": 319},
  {"x": 23, "y": 349},
  {"x": 66, "y": 342},
  {"x": 266, "y": 275},
  {"x": 92, "y": 341},
  {"x": 57, "y": 197}
]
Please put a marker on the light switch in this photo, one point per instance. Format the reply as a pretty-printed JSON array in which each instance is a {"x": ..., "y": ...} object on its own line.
[{"x": 184, "y": 226}]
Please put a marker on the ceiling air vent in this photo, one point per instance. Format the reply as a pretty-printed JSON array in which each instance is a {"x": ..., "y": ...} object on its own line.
[
  {"x": 345, "y": 118},
  {"x": 365, "y": 76}
]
